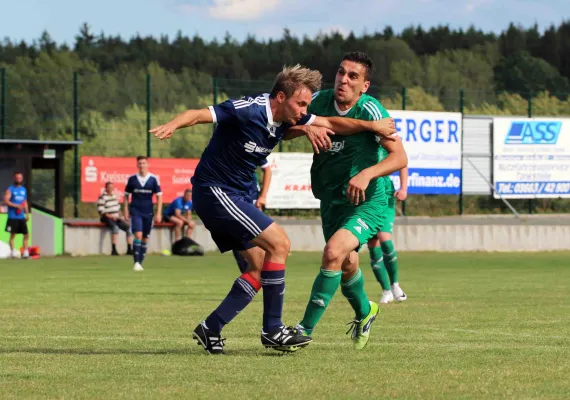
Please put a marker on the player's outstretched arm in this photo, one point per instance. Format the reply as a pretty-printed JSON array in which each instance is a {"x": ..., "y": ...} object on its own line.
[
  {"x": 384, "y": 127},
  {"x": 183, "y": 120},
  {"x": 396, "y": 160}
]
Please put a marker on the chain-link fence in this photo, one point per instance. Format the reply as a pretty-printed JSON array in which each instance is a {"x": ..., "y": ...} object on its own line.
[{"x": 111, "y": 114}]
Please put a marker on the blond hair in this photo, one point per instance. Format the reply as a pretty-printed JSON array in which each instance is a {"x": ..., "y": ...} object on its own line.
[{"x": 296, "y": 77}]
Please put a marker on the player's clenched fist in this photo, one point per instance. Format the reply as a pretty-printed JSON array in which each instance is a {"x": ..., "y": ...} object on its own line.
[
  {"x": 401, "y": 194},
  {"x": 385, "y": 128},
  {"x": 356, "y": 190}
]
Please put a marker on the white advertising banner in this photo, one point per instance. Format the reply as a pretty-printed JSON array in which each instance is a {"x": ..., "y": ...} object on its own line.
[
  {"x": 531, "y": 157},
  {"x": 433, "y": 143},
  {"x": 291, "y": 181}
]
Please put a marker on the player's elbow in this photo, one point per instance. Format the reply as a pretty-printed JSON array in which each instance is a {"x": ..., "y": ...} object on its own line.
[{"x": 402, "y": 160}]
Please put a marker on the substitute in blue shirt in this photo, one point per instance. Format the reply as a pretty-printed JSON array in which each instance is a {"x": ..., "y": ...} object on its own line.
[
  {"x": 179, "y": 212},
  {"x": 15, "y": 197},
  {"x": 140, "y": 190}
]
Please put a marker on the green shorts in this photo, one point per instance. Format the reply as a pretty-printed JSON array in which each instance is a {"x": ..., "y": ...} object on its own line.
[
  {"x": 390, "y": 215},
  {"x": 363, "y": 221}
]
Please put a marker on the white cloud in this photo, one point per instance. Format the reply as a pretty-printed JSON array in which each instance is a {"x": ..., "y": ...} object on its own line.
[
  {"x": 474, "y": 4},
  {"x": 233, "y": 10}
]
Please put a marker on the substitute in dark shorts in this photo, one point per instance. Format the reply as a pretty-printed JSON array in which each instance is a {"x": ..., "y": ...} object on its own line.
[{"x": 17, "y": 226}]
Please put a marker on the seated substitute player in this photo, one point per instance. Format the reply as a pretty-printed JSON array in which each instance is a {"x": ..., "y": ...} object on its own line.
[
  {"x": 109, "y": 211},
  {"x": 140, "y": 189},
  {"x": 349, "y": 179},
  {"x": 179, "y": 212},
  {"x": 259, "y": 199},
  {"x": 383, "y": 256},
  {"x": 247, "y": 131}
]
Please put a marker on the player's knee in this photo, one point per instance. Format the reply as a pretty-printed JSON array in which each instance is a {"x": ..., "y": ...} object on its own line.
[
  {"x": 332, "y": 256},
  {"x": 284, "y": 245},
  {"x": 280, "y": 245},
  {"x": 350, "y": 266},
  {"x": 191, "y": 225},
  {"x": 384, "y": 236}
]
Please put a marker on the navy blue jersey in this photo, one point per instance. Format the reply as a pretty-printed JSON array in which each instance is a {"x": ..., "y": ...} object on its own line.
[
  {"x": 255, "y": 189},
  {"x": 244, "y": 136},
  {"x": 141, "y": 190}
]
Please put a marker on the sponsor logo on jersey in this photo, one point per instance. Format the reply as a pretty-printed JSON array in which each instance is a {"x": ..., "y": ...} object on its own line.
[
  {"x": 252, "y": 147},
  {"x": 336, "y": 147}
]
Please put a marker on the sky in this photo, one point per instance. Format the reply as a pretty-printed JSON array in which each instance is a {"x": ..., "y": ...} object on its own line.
[{"x": 27, "y": 19}]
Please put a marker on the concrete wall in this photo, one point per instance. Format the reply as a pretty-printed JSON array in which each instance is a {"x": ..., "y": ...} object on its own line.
[{"x": 471, "y": 233}]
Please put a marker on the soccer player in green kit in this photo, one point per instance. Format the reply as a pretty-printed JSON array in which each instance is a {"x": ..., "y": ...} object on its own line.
[
  {"x": 351, "y": 180},
  {"x": 383, "y": 256}
]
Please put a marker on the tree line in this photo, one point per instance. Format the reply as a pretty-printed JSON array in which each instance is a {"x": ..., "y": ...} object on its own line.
[{"x": 440, "y": 69}]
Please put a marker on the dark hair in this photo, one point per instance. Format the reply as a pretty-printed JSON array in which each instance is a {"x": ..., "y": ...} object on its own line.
[
  {"x": 141, "y": 158},
  {"x": 187, "y": 191},
  {"x": 18, "y": 173},
  {"x": 107, "y": 184},
  {"x": 361, "y": 58}
]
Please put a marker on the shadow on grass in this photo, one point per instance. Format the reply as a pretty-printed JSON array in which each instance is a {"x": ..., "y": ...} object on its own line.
[
  {"x": 93, "y": 352},
  {"x": 181, "y": 351}
]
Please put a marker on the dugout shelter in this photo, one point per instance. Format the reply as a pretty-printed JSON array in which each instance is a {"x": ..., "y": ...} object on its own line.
[{"x": 42, "y": 164}]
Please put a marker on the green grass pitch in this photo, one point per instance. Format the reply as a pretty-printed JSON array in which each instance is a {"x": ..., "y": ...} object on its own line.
[{"x": 474, "y": 326}]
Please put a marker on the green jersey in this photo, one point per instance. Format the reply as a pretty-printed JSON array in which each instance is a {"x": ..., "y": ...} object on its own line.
[{"x": 332, "y": 170}]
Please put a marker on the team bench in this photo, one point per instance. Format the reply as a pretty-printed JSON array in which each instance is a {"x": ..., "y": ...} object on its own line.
[
  {"x": 92, "y": 237},
  {"x": 98, "y": 224}
]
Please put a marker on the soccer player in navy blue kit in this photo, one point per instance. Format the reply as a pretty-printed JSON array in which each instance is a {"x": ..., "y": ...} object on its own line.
[
  {"x": 140, "y": 189},
  {"x": 15, "y": 198},
  {"x": 247, "y": 131}
]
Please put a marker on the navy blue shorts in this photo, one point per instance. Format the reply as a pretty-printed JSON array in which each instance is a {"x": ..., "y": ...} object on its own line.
[
  {"x": 231, "y": 217},
  {"x": 141, "y": 223}
]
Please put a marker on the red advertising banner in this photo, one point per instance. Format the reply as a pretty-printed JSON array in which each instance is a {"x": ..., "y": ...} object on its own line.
[{"x": 173, "y": 174}]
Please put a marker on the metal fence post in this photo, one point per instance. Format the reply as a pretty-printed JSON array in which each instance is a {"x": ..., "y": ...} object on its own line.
[
  {"x": 404, "y": 93},
  {"x": 529, "y": 108},
  {"x": 76, "y": 147},
  {"x": 529, "y": 114},
  {"x": 148, "y": 110},
  {"x": 461, "y": 110},
  {"x": 3, "y": 96}
]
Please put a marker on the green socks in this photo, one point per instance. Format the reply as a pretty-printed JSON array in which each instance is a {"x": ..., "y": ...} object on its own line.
[
  {"x": 378, "y": 267},
  {"x": 390, "y": 260},
  {"x": 324, "y": 288},
  {"x": 353, "y": 290}
]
